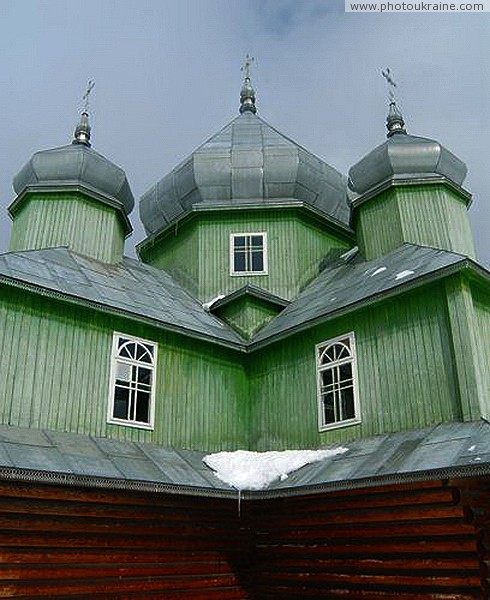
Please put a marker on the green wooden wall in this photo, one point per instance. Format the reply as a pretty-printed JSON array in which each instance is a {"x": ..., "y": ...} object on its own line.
[
  {"x": 417, "y": 363},
  {"x": 429, "y": 215},
  {"x": 481, "y": 307},
  {"x": 198, "y": 253},
  {"x": 56, "y": 375},
  {"x": 68, "y": 219},
  {"x": 247, "y": 315},
  {"x": 405, "y": 365}
]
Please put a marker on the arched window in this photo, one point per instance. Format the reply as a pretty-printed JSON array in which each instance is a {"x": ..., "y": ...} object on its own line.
[
  {"x": 132, "y": 382},
  {"x": 337, "y": 383}
]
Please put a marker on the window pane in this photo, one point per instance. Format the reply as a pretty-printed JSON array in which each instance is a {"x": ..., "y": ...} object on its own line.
[
  {"x": 144, "y": 376},
  {"x": 121, "y": 402},
  {"x": 239, "y": 241},
  {"x": 347, "y": 403},
  {"x": 329, "y": 408},
  {"x": 257, "y": 241},
  {"x": 257, "y": 261},
  {"x": 128, "y": 350},
  {"x": 121, "y": 341},
  {"x": 327, "y": 377},
  {"x": 142, "y": 354},
  {"x": 123, "y": 372},
  {"x": 239, "y": 261},
  {"x": 142, "y": 407},
  {"x": 345, "y": 372}
]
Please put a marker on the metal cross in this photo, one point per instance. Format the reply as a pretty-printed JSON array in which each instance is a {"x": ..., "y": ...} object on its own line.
[
  {"x": 391, "y": 83},
  {"x": 85, "y": 97},
  {"x": 246, "y": 66}
]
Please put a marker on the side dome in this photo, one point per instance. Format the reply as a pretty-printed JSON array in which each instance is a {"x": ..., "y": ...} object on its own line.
[
  {"x": 247, "y": 162},
  {"x": 76, "y": 164},
  {"x": 405, "y": 156}
]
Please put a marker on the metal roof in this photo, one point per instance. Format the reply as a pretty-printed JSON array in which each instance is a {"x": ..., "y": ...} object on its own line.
[
  {"x": 349, "y": 281},
  {"x": 248, "y": 162},
  {"x": 130, "y": 287},
  {"x": 445, "y": 450},
  {"x": 405, "y": 156},
  {"x": 76, "y": 164}
]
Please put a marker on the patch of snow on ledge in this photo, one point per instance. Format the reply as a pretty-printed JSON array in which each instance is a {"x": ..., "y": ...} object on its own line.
[
  {"x": 403, "y": 274},
  {"x": 378, "y": 271},
  {"x": 246, "y": 470}
]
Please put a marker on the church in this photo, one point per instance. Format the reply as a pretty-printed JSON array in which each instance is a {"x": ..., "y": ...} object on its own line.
[{"x": 276, "y": 305}]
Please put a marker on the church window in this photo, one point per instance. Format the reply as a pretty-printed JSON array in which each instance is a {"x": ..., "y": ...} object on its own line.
[
  {"x": 132, "y": 382},
  {"x": 338, "y": 403},
  {"x": 248, "y": 253}
]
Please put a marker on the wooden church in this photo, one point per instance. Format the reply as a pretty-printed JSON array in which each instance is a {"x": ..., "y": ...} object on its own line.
[{"x": 276, "y": 305}]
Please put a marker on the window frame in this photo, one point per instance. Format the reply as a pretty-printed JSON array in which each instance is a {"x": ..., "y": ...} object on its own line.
[
  {"x": 264, "y": 271},
  {"x": 115, "y": 360},
  {"x": 319, "y": 349}
]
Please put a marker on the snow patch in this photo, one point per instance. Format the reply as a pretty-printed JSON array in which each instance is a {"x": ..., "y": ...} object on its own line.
[
  {"x": 246, "y": 470},
  {"x": 207, "y": 305},
  {"x": 403, "y": 274},
  {"x": 350, "y": 253},
  {"x": 471, "y": 448},
  {"x": 378, "y": 271}
]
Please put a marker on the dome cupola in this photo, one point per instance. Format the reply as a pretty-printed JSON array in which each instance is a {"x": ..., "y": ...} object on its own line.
[
  {"x": 408, "y": 189},
  {"x": 84, "y": 199}
]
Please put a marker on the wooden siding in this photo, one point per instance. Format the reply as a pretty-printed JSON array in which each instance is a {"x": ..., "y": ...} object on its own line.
[
  {"x": 465, "y": 347},
  {"x": 178, "y": 254},
  {"x": 57, "y": 375},
  {"x": 78, "y": 543},
  {"x": 415, "y": 542},
  {"x": 481, "y": 307},
  {"x": 296, "y": 247},
  {"x": 69, "y": 219},
  {"x": 247, "y": 315},
  {"x": 427, "y": 215},
  {"x": 405, "y": 365}
]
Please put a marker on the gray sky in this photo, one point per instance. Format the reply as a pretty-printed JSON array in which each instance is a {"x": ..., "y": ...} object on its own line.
[{"x": 168, "y": 77}]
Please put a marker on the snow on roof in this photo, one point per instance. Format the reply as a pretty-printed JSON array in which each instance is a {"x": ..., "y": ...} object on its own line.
[{"x": 246, "y": 470}]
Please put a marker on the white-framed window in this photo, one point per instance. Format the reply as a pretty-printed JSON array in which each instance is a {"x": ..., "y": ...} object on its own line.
[
  {"x": 132, "y": 391},
  {"x": 338, "y": 394},
  {"x": 248, "y": 253}
]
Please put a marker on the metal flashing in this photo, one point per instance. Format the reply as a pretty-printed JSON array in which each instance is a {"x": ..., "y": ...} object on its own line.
[{"x": 103, "y": 463}]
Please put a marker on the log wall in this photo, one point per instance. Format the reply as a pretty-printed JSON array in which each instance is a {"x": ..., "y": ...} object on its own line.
[
  {"x": 417, "y": 542},
  {"x": 414, "y": 542},
  {"x": 76, "y": 543}
]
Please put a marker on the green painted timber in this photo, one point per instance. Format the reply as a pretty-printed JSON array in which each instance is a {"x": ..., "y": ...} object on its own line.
[
  {"x": 57, "y": 376},
  {"x": 464, "y": 344},
  {"x": 429, "y": 215},
  {"x": 247, "y": 314},
  {"x": 85, "y": 225},
  {"x": 405, "y": 366},
  {"x": 481, "y": 319},
  {"x": 197, "y": 254}
]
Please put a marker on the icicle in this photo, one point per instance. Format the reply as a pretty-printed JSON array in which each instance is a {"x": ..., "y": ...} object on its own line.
[{"x": 239, "y": 502}]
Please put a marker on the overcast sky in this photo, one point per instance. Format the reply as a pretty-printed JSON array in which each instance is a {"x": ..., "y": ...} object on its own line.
[{"x": 168, "y": 77}]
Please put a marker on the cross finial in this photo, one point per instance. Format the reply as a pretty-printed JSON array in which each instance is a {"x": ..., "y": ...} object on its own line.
[
  {"x": 85, "y": 97},
  {"x": 247, "y": 93},
  {"x": 390, "y": 82},
  {"x": 394, "y": 120},
  {"x": 246, "y": 66}
]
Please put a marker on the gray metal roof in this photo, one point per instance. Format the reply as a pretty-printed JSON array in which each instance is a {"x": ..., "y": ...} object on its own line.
[
  {"x": 76, "y": 164},
  {"x": 349, "y": 280},
  {"x": 130, "y": 287},
  {"x": 445, "y": 450},
  {"x": 405, "y": 156},
  {"x": 246, "y": 162}
]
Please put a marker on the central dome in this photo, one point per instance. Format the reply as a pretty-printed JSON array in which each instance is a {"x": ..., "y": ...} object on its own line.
[{"x": 247, "y": 162}]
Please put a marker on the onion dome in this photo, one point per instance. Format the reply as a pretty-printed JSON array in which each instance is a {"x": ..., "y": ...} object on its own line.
[
  {"x": 404, "y": 157},
  {"x": 247, "y": 163},
  {"x": 76, "y": 165}
]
